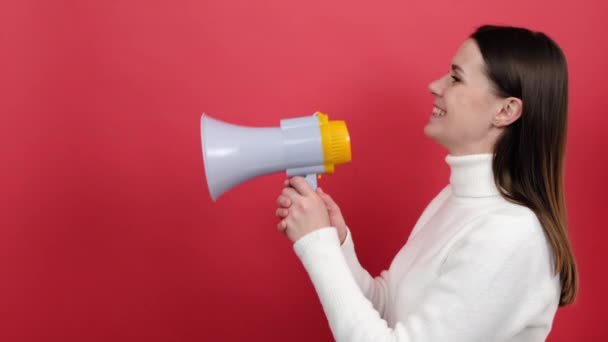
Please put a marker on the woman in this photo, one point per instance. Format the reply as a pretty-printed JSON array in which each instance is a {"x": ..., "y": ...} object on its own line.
[{"x": 489, "y": 258}]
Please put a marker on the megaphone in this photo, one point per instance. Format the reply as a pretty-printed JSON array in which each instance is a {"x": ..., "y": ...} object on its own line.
[{"x": 303, "y": 146}]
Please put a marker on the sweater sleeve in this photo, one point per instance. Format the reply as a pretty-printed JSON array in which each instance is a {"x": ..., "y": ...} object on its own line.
[
  {"x": 374, "y": 289},
  {"x": 484, "y": 282}
]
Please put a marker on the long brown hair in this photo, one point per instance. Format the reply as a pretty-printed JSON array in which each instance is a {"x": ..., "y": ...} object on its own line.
[{"x": 528, "y": 162}]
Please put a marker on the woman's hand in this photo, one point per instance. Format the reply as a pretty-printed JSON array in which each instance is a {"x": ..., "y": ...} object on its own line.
[
  {"x": 305, "y": 210},
  {"x": 301, "y": 207},
  {"x": 335, "y": 215}
]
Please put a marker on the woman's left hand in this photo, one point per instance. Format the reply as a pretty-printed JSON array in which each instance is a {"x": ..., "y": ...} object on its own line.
[{"x": 306, "y": 211}]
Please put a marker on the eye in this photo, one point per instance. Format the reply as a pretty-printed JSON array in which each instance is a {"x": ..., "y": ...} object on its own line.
[{"x": 454, "y": 79}]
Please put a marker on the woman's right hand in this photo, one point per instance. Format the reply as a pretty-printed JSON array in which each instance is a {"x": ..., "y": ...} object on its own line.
[
  {"x": 333, "y": 210},
  {"x": 335, "y": 215}
]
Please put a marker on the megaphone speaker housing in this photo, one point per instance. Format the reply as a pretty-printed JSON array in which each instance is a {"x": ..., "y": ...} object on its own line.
[{"x": 233, "y": 154}]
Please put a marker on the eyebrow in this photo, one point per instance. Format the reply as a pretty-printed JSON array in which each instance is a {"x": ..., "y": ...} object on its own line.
[{"x": 456, "y": 67}]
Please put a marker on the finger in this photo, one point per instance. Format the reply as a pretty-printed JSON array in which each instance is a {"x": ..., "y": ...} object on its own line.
[
  {"x": 301, "y": 186},
  {"x": 291, "y": 194},
  {"x": 283, "y": 201},
  {"x": 282, "y": 226},
  {"x": 282, "y": 213},
  {"x": 286, "y": 182}
]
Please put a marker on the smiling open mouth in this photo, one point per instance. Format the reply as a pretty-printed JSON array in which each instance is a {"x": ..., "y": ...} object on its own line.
[{"x": 438, "y": 112}]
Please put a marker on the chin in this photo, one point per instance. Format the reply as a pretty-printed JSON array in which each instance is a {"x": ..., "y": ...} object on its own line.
[{"x": 430, "y": 131}]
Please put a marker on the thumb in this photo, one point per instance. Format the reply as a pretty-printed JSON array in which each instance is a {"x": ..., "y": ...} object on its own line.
[{"x": 329, "y": 202}]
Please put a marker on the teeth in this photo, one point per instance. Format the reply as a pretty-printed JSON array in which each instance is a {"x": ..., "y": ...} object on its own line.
[{"x": 438, "y": 112}]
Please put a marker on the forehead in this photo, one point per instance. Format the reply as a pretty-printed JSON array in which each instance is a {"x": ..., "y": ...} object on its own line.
[{"x": 469, "y": 58}]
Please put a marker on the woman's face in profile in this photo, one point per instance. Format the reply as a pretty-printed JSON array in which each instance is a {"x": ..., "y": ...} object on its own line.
[{"x": 464, "y": 105}]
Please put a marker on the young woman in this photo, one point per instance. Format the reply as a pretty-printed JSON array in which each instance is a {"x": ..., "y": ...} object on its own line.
[{"x": 489, "y": 258}]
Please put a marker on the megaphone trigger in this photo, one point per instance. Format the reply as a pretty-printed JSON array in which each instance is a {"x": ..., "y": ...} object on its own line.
[{"x": 312, "y": 180}]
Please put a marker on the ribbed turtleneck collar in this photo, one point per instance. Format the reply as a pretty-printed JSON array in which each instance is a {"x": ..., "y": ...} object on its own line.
[{"x": 471, "y": 175}]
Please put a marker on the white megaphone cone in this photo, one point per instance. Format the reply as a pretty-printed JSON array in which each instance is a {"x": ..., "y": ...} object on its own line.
[{"x": 304, "y": 146}]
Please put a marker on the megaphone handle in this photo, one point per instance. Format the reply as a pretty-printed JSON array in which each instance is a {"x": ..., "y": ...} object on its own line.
[{"x": 312, "y": 180}]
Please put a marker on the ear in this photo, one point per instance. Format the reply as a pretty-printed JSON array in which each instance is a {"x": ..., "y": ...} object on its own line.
[{"x": 509, "y": 113}]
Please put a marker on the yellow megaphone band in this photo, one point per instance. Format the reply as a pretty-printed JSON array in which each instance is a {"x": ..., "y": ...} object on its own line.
[{"x": 336, "y": 142}]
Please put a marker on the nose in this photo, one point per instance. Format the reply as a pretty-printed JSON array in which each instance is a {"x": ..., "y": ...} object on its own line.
[{"x": 435, "y": 87}]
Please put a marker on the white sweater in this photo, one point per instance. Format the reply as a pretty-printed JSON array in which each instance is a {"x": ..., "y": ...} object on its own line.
[{"x": 475, "y": 268}]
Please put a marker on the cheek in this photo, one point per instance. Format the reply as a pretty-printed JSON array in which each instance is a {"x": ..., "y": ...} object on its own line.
[
  {"x": 468, "y": 114},
  {"x": 463, "y": 102}
]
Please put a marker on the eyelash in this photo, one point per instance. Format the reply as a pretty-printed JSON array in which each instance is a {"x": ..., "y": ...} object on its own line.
[{"x": 454, "y": 79}]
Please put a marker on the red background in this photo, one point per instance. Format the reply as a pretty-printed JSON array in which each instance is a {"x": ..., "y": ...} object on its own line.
[{"x": 108, "y": 231}]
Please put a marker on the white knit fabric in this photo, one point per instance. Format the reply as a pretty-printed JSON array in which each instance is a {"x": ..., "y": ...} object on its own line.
[{"x": 475, "y": 268}]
